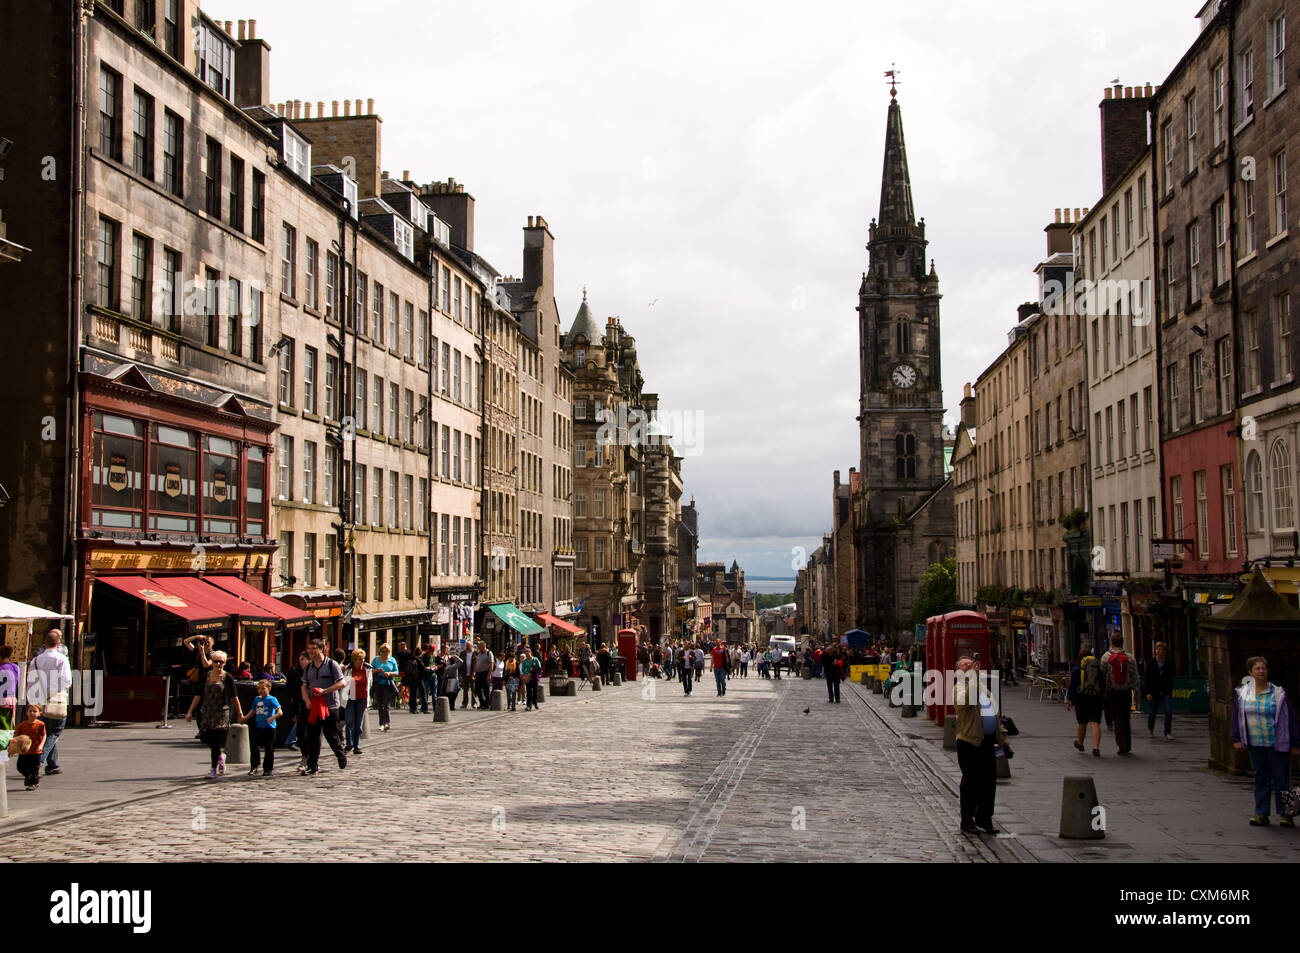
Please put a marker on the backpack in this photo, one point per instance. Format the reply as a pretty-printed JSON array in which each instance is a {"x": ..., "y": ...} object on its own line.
[
  {"x": 1090, "y": 676},
  {"x": 1118, "y": 669}
]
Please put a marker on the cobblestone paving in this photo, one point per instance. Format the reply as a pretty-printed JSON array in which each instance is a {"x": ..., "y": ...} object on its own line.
[{"x": 634, "y": 773}]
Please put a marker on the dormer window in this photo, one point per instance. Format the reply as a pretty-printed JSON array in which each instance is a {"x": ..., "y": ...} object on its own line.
[
  {"x": 350, "y": 193},
  {"x": 404, "y": 238},
  {"x": 215, "y": 58},
  {"x": 580, "y": 357},
  {"x": 296, "y": 152}
]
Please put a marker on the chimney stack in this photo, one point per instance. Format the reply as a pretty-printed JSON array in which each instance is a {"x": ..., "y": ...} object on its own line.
[
  {"x": 1123, "y": 131},
  {"x": 252, "y": 68},
  {"x": 453, "y": 205}
]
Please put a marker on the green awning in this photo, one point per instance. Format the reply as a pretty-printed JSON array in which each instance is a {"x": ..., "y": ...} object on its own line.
[{"x": 513, "y": 616}]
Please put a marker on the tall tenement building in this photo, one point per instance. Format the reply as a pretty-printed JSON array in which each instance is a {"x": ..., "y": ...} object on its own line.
[{"x": 905, "y": 519}]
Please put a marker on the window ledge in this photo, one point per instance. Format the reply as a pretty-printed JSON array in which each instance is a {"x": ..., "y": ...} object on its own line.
[
  {"x": 314, "y": 312},
  {"x": 1194, "y": 306},
  {"x": 1253, "y": 392},
  {"x": 1165, "y": 199},
  {"x": 1188, "y": 177},
  {"x": 310, "y": 416},
  {"x": 1277, "y": 239},
  {"x": 1244, "y": 123},
  {"x": 286, "y": 409},
  {"x": 1282, "y": 381},
  {"x": 1242, "y": 262},
  {"x": 288, "y": 299},
  {"x": 1272, "y": 99}
]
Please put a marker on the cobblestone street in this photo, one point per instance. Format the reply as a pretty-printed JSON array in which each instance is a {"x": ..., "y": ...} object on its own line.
[{"x": 633, "y": 773}]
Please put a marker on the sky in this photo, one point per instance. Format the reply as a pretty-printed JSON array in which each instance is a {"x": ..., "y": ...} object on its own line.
[{"x": 708, "y": 172}]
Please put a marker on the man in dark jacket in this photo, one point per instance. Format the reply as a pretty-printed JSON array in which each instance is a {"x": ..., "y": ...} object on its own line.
[
  {"x": 1158, "y": 687},
  {"x": 413, "y": 680},
  {"x": 832, "y": 669}
]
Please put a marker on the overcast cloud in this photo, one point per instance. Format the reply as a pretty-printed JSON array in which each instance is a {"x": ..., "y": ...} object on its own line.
[{"x": 723, "y": 160}]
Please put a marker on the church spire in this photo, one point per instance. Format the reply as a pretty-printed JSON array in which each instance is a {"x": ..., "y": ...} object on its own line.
[{"x": 895, "y": 184}]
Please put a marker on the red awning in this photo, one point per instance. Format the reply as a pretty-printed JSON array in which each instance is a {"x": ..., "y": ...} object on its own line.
[
  {"x": 549, "y": 619},
  {"x": 292, "y": 617},
  {"x": 196, "y": 590},
  {"x": 199, "y": 616}
]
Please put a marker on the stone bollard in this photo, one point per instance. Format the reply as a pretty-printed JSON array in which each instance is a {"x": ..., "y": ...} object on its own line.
[
  {"x": 909, "y": 711},
  {"x": 616, "y": 678},
  {"x": 541, "y": 692},
  {"x": 237, "y": 745},
  {"x": 1003, "y": 764},
  {"x": 571, "y": 689},
  {"x": 950, "y": 733},
  {"x": 1078, "y": 800},
  {"x": 442, "y": 709},
  {"x": 595, "y": 683},
  {"x": 365, "y": 724},
  {"x": 497, "y": 700},
  {"x": 877, "y": 686},
  {"x": 865, "y": 680}
]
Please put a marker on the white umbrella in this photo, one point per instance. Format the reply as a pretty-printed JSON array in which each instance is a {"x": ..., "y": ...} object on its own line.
[{"x": 13, "y": 611}]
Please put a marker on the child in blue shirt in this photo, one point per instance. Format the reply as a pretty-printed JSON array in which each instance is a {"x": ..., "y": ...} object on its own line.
[{"x": 266, "y": 709}]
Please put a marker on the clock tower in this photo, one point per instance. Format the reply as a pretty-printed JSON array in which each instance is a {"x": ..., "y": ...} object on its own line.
[{"x": 903, "y": 521}]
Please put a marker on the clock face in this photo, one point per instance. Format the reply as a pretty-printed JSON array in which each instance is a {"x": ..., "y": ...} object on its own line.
[{"x": 904, "y": 376}]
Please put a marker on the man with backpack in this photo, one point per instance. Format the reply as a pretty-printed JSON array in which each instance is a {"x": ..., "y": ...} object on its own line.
[
  {"x": 1085, "y": 697},
  {"x": 1121, "y": 678}
]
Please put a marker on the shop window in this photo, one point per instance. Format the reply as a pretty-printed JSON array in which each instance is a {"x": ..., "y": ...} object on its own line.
[
  {"x": 220, "y": 486},
  {"x": 173, "y": 500},
  {"x": 117, "y": 459}
]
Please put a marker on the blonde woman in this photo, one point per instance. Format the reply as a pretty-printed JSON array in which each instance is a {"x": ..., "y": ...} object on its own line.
[
  {"x": 217, "y": 697},
  {"x": 355, "y": 714},
  {"x": 385, "y": 688}
]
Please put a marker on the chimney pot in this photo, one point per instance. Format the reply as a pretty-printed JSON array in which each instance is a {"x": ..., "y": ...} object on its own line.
[
  {"x": 1058, "y": 216},
  {"x": 243, "y": 27},
  {"x": 336, "y": 107},
  {"x": 358, "y": 107},
  {"x": 406, "y": 175},
  {"x": 530, "y": 221},
  {"x": 306, "y": 109},
  {"x": 320, "y": 108},
  {"x": 347, "y": 107},
  {"x": 229, "y": 30},
  {"x": 252, "y": 29},
  {"x": 370, "y": 107},
  {"x": 1105, "y": 93},
  {"x": 1128, "y": 92},
  {"x": 1077, "y": 216},
  {"x": 297, "y": 109}
]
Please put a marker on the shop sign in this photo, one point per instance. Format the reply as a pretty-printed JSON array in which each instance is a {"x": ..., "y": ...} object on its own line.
[
  {"x": 117, "y": 472},
  {"x": 220, "y": 486},
  {"x": 114, "y": 559},
  {"x": 172, "y": 480}
]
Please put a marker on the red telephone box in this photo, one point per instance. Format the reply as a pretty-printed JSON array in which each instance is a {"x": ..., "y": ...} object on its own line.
[
  {"x": 627, "y": 651},
  {"x": 948, "y": 637}
]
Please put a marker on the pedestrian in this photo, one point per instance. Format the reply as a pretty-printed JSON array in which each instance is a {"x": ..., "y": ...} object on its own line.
[
  {"x": 511, "y": 673},
  {"x": 642, "y": 660},
  {"x": 413, "y": 681},
  {"x": 817, "y": 654},
  {"x": 1084, "y": 697},
  {"x": 453, "y": 668},
  {"x": 832, "y": 667},
  {"x": 51, "y": 676},
  {"x": 699, "y": 663},
  {"x": 1121, "y": 677},
  {"x": 688, "y": 667},
  {"x": 720, "y": 668},
  {"x": 603, "y": 660},
  {"x": 469, "y": 657},
  {"x": 978, "y": 730},
  {"x": 296, "y": 710},
  {"x": 530, "y": 670},
  {"x": 498, "y": 677},
  {"x": 584, "y": 661},
  {"x": 402, "y": 656},
  {"x": 29, "y": 761},
  {"x": 484, "y": 663},
  {"x": 1158, "y": 687},
  {"x": 354, "y": 715},
  {"x": 266, "y": 709},
  {"x": 1263, "y": 723},
  {"x": 320, "y": 686},
  {"x": 430, "y": 688},
  {"x": 9, "y": 673},
  {"x": 385, "y": 688},
  {"x": 216, "y": 700},
  {"x": 744, "y": 663}
]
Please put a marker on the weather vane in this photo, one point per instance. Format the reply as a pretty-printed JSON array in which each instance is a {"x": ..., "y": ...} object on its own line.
[{"x": 891, "y": 74}]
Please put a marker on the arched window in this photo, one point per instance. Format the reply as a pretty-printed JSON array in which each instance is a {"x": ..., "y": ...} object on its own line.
[
  {"x": 1254, "y": 494},
  {"x": 1280, "y": 467},
  {"x": 903, "y": 336},
  {"x": 905, "y": 456}
]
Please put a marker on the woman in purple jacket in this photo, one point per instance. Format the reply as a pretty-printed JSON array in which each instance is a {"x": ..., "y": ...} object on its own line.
[{"x": 1263, "y": 723}]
